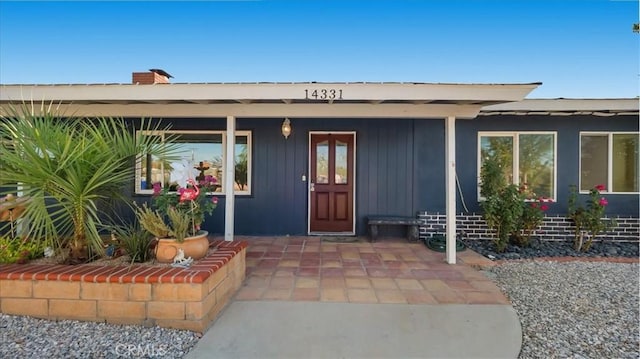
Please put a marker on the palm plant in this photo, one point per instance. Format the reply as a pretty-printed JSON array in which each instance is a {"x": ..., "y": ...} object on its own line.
[{"x": 68, "y": 166}]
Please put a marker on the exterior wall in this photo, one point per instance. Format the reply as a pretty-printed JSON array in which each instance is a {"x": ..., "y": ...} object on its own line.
[
  {"x": 554, "y": 228},
  {"x": 399, "y": 167},
  {"x": 568, "y": 153},
  {"x": 399, "y": 170}
]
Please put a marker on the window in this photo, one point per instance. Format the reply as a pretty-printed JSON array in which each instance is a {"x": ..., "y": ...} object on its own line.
[
  {"x": 530, "y": 158},
  {"x": 610, "y": 159},
  {"x": 206, "y": 150}
]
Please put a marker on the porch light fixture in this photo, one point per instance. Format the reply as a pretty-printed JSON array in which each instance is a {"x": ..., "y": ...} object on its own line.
[{"x": 286, "y": 128}]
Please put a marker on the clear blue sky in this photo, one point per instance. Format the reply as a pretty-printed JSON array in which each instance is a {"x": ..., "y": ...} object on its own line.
[{"x": 577, "y": 48}]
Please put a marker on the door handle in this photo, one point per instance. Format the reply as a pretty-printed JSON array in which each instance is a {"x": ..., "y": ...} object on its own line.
[{"x": 312, "y": 187}]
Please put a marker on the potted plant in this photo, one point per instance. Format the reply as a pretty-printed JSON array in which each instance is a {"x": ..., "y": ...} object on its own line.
[{"x": 175, "y": 217}]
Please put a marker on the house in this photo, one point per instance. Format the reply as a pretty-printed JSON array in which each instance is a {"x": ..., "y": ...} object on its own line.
[{"x": 319, "y": 158}]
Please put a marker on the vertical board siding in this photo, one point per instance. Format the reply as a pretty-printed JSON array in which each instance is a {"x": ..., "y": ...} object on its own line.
[
  {"x": 400, "y": 166},
  {"x": 392, "y": 163},
  {"x": 567, "y": 130}
]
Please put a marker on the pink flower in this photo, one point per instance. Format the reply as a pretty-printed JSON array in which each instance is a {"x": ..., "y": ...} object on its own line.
[
  {"x": 214, "y": 200},
  {"x": 534, "y": 205},
  {"x": 603, "y": 202},
  {"x": 157, "y": 188},
  {"x": 600, "y": 187},
  {"x": 544, "y": 207}
]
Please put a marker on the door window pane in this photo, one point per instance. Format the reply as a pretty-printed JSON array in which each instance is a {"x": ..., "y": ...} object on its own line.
[
  {"x": 536, "y": 164},
  {"x": 625, "y": 163},
  {"x": 341, "y": 163},
  {"x": 593, "y": 161},
  {"x": 322, "y": 162}
]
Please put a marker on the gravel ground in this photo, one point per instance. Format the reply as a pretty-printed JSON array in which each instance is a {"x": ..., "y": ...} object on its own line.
[
  {"x": 574, "y": 309},
  {"x": 25, "y": 337}
]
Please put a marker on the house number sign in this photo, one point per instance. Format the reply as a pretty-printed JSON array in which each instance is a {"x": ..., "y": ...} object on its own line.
[{"x": 323, "y": 94}]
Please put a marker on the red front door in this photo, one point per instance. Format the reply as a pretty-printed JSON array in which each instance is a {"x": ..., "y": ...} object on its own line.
[{"x": 331, "y": 183}]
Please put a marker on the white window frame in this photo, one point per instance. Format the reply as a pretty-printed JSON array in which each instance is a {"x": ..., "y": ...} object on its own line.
[
  {"x": 248, "y": 134},
  {"x": 516, "y": 156},
  {"x": 609, "y": 135}
]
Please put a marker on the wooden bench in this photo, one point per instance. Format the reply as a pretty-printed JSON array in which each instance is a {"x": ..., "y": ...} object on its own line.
[{"x": 410, "y": 222}]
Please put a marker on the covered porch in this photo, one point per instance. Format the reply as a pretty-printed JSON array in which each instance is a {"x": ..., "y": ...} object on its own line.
[
  {"x": 353, "y": 270},
  {"x": 369, "y": 102}
]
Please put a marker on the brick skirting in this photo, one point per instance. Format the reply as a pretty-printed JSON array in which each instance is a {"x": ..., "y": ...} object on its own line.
[
  {"x": 169, "y": 297},
  {"x": 554, "y": 228}
]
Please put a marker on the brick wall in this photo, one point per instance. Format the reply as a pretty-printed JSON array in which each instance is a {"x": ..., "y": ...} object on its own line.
[
  {"x": 177, "y": 298},
  {"x": 148, "y": 78},
  {"x": 554, "y": 228}
]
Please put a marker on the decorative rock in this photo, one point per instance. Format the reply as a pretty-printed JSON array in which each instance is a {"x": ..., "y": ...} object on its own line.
[
  {"x": 556, "y": 249},
  {"x": 575, "y": 309}
]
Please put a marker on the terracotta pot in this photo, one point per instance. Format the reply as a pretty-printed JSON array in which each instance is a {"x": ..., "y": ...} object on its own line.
[{"x": 195, "y": 247}]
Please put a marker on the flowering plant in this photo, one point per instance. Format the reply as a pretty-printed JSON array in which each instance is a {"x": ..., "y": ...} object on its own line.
[
  {"x": 179, "y": 214},
  {"x": 589, "y": 219},
  {"x": 532, "y": 215},
  {"x": 513, "y": 212}
]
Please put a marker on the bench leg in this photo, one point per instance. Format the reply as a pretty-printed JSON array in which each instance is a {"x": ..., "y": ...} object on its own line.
[
  {"x": 413, "y": 233},
  {"x": 373, "y": 232}
]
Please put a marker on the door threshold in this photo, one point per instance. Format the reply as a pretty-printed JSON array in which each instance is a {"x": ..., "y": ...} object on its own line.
[{"x": 330, "y": 234}]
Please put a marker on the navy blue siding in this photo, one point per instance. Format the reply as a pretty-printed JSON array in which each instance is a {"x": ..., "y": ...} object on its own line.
[
  {"x": 400, "y": 166},
  {"x": 399, "y": 170},
  {"x": 568, "y": 140}
]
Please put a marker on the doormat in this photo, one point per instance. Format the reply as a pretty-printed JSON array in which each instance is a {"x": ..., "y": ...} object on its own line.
[{"x": 341, "y": 239}]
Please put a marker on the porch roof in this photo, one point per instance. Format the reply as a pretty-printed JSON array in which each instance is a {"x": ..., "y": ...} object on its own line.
[
  {"x": 309, "y": 99},
  {"x": 566, "y": 107}
]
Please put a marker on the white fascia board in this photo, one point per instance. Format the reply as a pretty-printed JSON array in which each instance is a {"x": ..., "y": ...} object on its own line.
[
  {"x": 267, "y": 110},
  {"x": 265, "y": 91},
  {"x": 552, "y": 105}
]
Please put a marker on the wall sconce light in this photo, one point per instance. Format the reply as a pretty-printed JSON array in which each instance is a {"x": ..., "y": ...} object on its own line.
[{"x": 286, "y": 128}]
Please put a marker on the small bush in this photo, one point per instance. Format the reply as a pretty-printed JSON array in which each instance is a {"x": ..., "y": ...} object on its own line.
[
  {"x": 588, "y": 220},
  {"x": 16, "y": 250},
  {"x": 135, "y": 241}
]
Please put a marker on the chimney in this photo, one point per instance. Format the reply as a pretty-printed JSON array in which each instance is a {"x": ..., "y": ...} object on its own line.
[{"x": 154, "y": 76}]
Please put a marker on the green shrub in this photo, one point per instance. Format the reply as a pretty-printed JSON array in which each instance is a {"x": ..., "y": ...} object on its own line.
[
  {"x": 512, "y": 212},
  {"x": 70, "y": 168},
  {"x": 135, "y": 240},
  {"x": 16, "y": 250},
  {"x": 532, "y": 217},
  {"x": 589, "y": 221},
  {"x": 503, "y": 212}
]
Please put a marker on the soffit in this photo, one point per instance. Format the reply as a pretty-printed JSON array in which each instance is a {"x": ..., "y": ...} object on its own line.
[{"x": 397, "y": 99}]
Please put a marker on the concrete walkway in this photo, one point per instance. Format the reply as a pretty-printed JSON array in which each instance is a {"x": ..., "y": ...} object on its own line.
[{"x": 282, "y": 329}]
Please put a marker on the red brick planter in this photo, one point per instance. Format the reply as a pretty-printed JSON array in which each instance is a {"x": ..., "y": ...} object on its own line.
[{"x": 142, "y": 295}]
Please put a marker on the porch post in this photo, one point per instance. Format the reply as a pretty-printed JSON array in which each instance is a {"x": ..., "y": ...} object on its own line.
[
  {"x": 450, "y": 159},
  {"x": 229, "y": 176}
]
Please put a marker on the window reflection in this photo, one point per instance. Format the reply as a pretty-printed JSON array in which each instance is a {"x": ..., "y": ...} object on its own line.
[
  {"x": 205, "y": 151},
  {"x": 322, "y": 162},
  {"x": 526, "y": 159},
  {"x": 341, "y": 163}
]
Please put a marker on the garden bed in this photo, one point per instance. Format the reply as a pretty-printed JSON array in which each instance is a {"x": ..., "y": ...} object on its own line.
[{"x": 168, "y": 297}]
